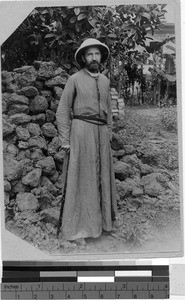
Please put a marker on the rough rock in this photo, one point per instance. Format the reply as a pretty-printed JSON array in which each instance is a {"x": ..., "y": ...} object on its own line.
[
  {"x": 38, "y": 105},
  {"x": 145, "y": 169},
  {"x": 54, "y": 104},
  {"x": 3, "y": 90},
  {"x": 123, "y": 189},
  {"x": 36, "y": 191},
  {"x": 21, "y": 155},
  {"x": 59, "y": 157},
  {"x": 152, "y": 184},
  {"x": 20, "y": 119},
  {"x": 23, "y": 145},
  {"x": 59, "y": 167},
  {"x": 119, "y": 154},
  {"x": 162, "y": 178},
  {"x": 19, "y": 187},
  {"x": 131, "y": 159},
  {"x": 149, "y": 200},
  {"x": 48, "y": 165},
  {"x": 47, "y": 94},
  {"x": 49, "y": 130},
  {"x": 39, "y": 119},
  {"x": 122, "y": 170},
  {"x": 5, "y": 97},
  {"x": 31, "y": 216},
  {"x": 117, "y": 142},
  {"x": 22, "y": 133},
  {"x": 45, "y": 198},
  {"x": 29, "y": 91},
  {"x": 9, "y": 215},
  {"x": 53, "y": 147},
  {"x": 56, "y": 81},
  {"x": 8, "y": 128},
  {"x": 37, "y": 142},
  {"x": 58, "y": 182},
  {"x": 27, "y": 201},
  {"x": 34, "y": 129},
  {"x": 54, "y": 177},
  {"x": 12, "y": 168},
  {"x": 51, "y": 215},
  {"x": 173, "y": 162},
  {"x": 23, "y": 69},
  {"x": 58, "y": 92},
  {"x": 6, "y": 198},
  {"x": 32, "y": 178},
  {"x": 4, "y": 105},
  {"x": 136, "y": 189},
  {"x": 39, "y": 85},
  {"x": 18, "y": 108},
  {"x": 27, "y": 165},
  {"x": 153, "y": 189},
  {"x": 12, "y": 150},
  {"x": 50, "y": 186},
  {"x": 50, "y": 116},
  {"x": 12, "y": 88},
  {"x": 45, "y": 69},
  {"x": 7, "y": 186},
  {"x": 26, "y": 78},
  {"x": 7, "y": 77},
  {"x": 129, "y": 149},
  {"x": 61, "y": 72},
  {"x": 37, "y": 155},
  {"x": 5, "y": 144}
]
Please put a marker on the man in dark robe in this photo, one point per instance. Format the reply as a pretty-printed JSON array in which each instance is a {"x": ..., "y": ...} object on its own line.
[{"x": 84, "y": 123}]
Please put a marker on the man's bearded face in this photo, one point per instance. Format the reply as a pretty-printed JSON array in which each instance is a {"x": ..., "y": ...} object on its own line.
[{"x": 92, "y": 59}]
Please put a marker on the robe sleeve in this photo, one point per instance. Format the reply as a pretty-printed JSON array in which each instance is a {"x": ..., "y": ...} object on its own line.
[
  {"x": 109, "y": 115},
  {"x": 63, "y": 114}
]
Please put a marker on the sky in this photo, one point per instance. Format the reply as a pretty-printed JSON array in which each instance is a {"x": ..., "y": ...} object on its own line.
[{"x": 170, "y": 18}]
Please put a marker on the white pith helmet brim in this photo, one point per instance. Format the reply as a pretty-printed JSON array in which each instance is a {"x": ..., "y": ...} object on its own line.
[{"x": 104, "y": 50}]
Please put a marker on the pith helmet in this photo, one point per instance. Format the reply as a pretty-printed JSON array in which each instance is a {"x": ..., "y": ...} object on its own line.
[{"x": 104, "y": 50}]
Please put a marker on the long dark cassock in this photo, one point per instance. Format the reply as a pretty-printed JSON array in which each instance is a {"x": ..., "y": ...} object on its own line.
[{"x": 90, "y": 202}]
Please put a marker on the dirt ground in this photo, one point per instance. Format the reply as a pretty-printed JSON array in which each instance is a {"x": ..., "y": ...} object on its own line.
[
  {"x": 162, "y": 231},
  {"x": 151, "y": 228}
]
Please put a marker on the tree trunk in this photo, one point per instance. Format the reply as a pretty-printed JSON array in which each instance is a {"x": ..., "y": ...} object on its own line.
[
  {"x": 154, "y": 95},
  {"x": 166, "y": 92},
  {"x": 112, "y": 72}
]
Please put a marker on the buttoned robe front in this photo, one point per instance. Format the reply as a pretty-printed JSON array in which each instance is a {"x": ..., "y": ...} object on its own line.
[{"x": 90, "y": 200}]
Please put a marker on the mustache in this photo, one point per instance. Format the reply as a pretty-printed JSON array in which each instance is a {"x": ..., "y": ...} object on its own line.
[{"x": 94, "y": 62}]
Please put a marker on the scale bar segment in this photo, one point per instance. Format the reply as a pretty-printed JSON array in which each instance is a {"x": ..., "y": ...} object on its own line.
[
  {"x": 95, "y": 279},
  {"x": 144, "y": 273},
  {"x": 95, "y": 273},
  {"x": 58, "y": 274}
]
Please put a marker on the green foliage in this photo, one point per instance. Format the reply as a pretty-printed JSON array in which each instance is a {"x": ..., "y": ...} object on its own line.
[
  {"x": 168, "y": 119},
  {"x": 54, "y": 33}
]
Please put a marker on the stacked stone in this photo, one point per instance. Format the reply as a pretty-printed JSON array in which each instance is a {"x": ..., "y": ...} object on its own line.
[
  {"x": 117, "y": 104},
  {"x": 32, "y": 160},
  {"x": 137, "y": 182},
  {"x": 114, "y": 102},
  {"x": 121, "y": 107}
]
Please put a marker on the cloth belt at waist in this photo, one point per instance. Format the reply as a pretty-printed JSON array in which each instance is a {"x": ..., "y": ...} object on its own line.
[{"x": 91, "y": 119}]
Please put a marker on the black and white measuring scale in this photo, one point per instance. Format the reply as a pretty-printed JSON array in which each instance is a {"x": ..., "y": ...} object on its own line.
[{"x": 84, "y": 282}]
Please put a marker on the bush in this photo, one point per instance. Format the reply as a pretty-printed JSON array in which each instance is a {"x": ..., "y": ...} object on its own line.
[{"x": 168, "y": 119}]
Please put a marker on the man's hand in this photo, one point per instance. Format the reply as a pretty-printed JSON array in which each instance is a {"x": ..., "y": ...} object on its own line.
[{"x": 66, "y": 148}]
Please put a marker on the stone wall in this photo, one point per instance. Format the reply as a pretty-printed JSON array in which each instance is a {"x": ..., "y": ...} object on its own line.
[
  {"x": 118, "y": 104},
  {"x": 33, "y": 161}
]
